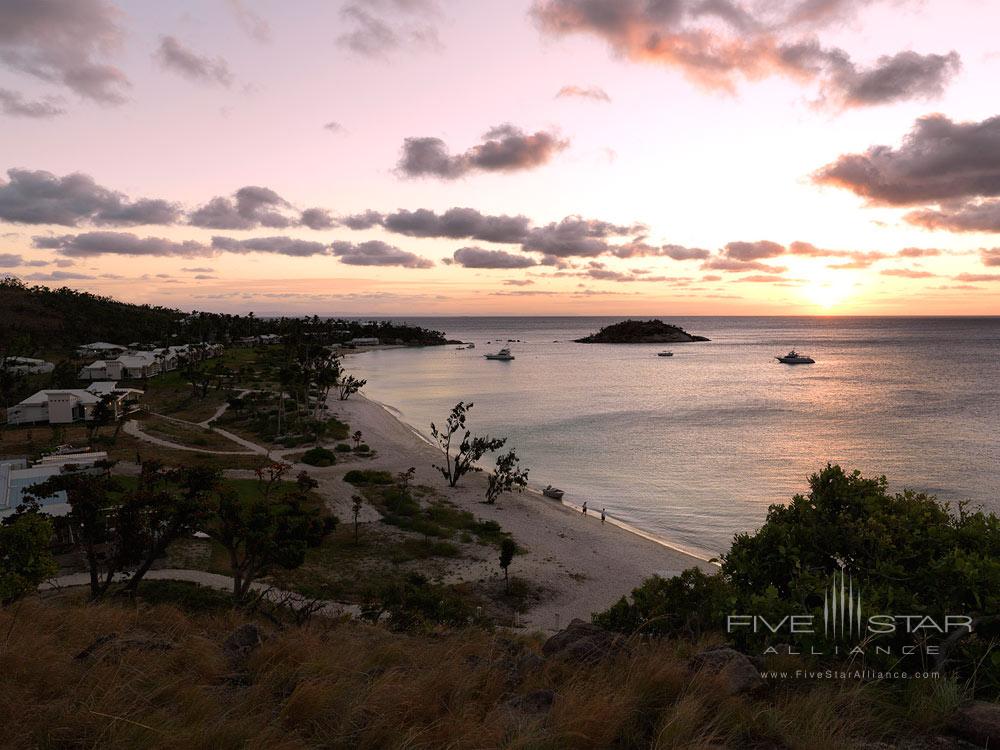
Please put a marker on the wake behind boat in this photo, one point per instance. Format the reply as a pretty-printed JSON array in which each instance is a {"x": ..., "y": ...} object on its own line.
[
  {"x": 503, "y": 354},
  {"x": 794, "y": 358}
]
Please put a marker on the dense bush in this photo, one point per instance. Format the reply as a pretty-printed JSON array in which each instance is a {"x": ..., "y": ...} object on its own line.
[
  {"x": 907, "y": 552},
  {"x": 362, "y": 477},
  {"x": 342, "y": 448},
  {"x": 319, "y": 457}
]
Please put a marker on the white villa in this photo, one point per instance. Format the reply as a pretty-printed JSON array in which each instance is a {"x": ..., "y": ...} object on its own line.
[
  {"x": 134, "y": 364},
  {"x": 363, "y": 342},
  {"x": 71, "y": 405},
  {"x": 100, "y": 349},
  {"x": 16, "y": 476},
  {"x": 27, "y": 365}
]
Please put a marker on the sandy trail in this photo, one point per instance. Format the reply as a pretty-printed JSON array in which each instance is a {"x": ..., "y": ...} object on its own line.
[{"x": 585, "y": 565}]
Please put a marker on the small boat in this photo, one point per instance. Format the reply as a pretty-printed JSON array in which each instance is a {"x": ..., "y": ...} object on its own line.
[
  {"x": 554, "y": 493},
  {"x": 503, "y": 354},
  {"x": 794, "y": 358},
  {"x": 665, "y": 354},
  {"x": 470, "y": 346}
]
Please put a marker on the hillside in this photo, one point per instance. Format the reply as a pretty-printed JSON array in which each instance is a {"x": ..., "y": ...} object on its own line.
[
  {"x": 58, "y": 318},
  {"x": 155, "y": 676}
]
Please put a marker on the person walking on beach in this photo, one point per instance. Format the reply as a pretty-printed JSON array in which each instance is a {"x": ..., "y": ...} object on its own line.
[
  {"x": 584, "y": 507},
  {"x": 602, "y": 515}
]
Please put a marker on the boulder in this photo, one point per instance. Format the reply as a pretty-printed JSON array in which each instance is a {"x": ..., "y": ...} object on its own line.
[
  {"x": 978, "y": 722},
  {"x": 736, "y": 672},
  {"x": 242, "y": 641},
  {"x": 583, "y": 641}
]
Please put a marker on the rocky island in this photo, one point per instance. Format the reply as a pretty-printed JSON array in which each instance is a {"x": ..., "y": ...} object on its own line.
[{"x": 640, "y": 332}]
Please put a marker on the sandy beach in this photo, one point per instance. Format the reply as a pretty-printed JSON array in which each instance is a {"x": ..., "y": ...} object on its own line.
[{"x": 584, "y": 565}]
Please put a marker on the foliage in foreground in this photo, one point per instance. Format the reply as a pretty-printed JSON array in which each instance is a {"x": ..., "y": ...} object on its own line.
[
  {"x": 907, "y": 552},
  {"x": 161, "y": 678}
]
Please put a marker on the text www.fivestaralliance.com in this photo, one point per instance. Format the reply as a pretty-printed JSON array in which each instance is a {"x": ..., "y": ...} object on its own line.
[{"x": 854, "y": 674}]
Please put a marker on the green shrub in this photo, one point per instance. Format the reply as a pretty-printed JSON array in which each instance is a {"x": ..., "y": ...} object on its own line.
[
  {"x": 187, "y": 595},
  {"x": 363, "y": 448},
  {"x": 319, "y": 457},
  {"x": 342, "y": 448},
  {"x": 909, "y": 554},
  {"x": 362, "y": 477},
  {"x": 337, "y": 430}
]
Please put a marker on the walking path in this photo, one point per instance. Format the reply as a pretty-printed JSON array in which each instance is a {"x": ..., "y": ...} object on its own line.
[{"x": 220, "y": 583}]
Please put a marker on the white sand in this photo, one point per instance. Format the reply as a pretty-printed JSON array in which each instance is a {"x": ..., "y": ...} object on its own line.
[{"x": 584, "y": 564}]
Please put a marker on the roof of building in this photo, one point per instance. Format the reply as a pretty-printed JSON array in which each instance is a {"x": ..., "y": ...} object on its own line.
[
  {"x": 42, "y": 397},
  {"x": 101, "y": 345}
]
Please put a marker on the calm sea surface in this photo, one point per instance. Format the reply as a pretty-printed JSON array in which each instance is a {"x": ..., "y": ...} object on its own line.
[{"x": 695, "y": 447}]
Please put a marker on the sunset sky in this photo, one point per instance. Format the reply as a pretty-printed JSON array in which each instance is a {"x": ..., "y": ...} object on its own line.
[{"x": 438, "y": 157}]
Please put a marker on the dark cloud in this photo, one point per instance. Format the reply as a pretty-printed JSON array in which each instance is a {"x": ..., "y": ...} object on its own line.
[
  {"x": 376, "y": 35},
  {"x": 477, "y": 257},
  {"x": 377, "y": 253},
  {"x": 518, "y": 282},
  {"x": 906, "y": 75},
  {"x": 334, "y": 127},
  {"x": 10, "y": 260},
  {"x": 972, "y": 216},
  {"x": 120, "y": 243},
  {"x": 746, "y": 251},
  {"x": 198, "y": 269},
  {"x": 720, "y": 263},
  {"x": 173, "y": 55},
  {"x": 677, "y": 252},
  {"x": 717, "y": 42},
  {"x": 317, "y": 218},
  {"x": 918, "y": 252},
  {"x": 584, "y": 92},
  {"x": 252, "y": 206},
  {"x": 977, "y": 277},
  {"x": 504, "y": 149},
  {"x": 275, "y": 245},
  {"x": 38, "y": 197},
  {"x": 990, "y": 257},
  {"x": 62, "y": 42},
  {"x": 455, "y": 223},
  {"x": 364, "y": 220},
  {"x": 575, "y": 236},
  {"x": 939, "y": 160},
  {"x": 58, "y": 276},
  {"x": 14, "y": 104}
]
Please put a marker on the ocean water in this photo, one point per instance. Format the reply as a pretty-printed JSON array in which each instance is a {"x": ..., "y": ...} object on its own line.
[{"x": 694, "y": 448}]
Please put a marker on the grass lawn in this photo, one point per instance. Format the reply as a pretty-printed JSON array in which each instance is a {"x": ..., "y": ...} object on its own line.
[
  {"x": 190, "y": 435},
  {"x": 172, "y": 395}
]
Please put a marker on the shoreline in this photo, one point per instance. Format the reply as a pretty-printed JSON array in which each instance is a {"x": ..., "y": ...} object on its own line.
[
  {"x": 396, "y": 414},
  {"x": 579, "y": 565}
]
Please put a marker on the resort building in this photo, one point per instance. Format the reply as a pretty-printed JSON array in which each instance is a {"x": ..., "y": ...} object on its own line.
[
  {"x": 364, "y": 342},
  {"x": 17, "y": 476},
  {"x": 135, "y": 364},
  {"x": 27, "y": 365},
  {"x": 100, "y": 349},
  {"x": 72, "y": 405}
]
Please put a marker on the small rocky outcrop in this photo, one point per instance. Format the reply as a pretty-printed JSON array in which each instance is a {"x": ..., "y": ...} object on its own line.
[
  {"x": 583, "y": 641},
  {"x": 736, "y": 672},
  {"x": 243, "y": 641},
  {"x": 640, "y": 332},
  {"x": 978, "y": 722}
]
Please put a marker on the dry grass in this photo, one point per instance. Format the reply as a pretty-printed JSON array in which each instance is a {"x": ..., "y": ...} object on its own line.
[{"x": 345, "y": 685}]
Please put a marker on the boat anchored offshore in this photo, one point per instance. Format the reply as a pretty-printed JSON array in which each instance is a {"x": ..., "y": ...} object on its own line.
[
  {"x": 503, "y": 354},
  {"x": 665, "y": 354},
  {"x": 554, "y": 493},
  {"x": 794, "y": 358}
]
